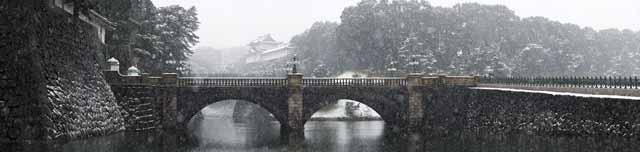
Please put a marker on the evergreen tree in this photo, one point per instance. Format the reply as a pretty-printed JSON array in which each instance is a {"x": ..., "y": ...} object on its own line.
[
  {"x": 471, "y": 38},
  {"x": 156, "y": 40}
]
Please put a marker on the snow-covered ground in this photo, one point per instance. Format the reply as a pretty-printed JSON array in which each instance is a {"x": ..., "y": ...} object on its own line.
[
  {"x": 562, "y": 93},
  {"x": 338, "y": 111}
]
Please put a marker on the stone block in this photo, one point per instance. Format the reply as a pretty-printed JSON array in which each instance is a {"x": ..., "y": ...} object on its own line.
[{"x": 4, "y": 111}]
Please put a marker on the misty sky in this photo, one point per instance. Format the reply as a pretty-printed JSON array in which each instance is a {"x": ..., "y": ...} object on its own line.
[{"x": 227, "y": 23}]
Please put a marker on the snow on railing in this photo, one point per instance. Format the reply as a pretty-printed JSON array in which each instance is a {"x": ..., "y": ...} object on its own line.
[
  {"x": 574, "y": 82},
  {"x": 354, "y": 81},
  {"x": 219, "y": 81}
]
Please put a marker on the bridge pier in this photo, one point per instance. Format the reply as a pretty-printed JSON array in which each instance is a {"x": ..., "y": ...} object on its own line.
[
  {"x": 168, "y": 98},
  {"x": 415, "y": 110},
  {"x": 295, "y": 117}
]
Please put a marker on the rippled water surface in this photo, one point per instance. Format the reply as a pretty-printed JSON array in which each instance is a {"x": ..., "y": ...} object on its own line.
[{"x": 221, "y": 134}]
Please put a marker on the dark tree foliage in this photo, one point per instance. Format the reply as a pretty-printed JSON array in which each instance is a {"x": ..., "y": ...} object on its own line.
[
  {"x": 469, "y": 38},
  {"x": 175, "y": 28},
  {"x": 317, "y": 48},
  {"x": 156, "y": 40}
]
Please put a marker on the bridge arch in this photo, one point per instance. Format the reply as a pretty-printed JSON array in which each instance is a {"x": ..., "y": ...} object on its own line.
[
  {"x": 229, "y": 107},
  {"x": 191, "y": 100},
  {"x": 390, "y": 104}
]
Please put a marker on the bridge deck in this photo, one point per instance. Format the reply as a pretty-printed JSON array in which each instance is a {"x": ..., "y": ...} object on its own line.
[
  {"x": 324, "y": 82},
  {"x": 249, "y": 82}
]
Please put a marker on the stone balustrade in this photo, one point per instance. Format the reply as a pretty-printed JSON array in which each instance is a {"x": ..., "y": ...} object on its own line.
[{"x": 355, "y": 82}]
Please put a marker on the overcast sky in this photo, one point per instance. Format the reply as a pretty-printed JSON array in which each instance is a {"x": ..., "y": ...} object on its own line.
[{"x": 227, "y": 23}]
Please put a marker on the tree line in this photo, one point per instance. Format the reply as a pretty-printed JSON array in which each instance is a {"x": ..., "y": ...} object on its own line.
[
  {"x": 154, "y": 39},
  {"x": 383, "y": 37}
]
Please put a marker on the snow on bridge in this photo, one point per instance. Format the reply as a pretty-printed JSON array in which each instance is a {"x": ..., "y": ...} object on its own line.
[{"x": 566, "y": 92}]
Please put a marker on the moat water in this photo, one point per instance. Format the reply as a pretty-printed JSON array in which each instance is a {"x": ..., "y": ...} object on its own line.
[{"x": 223, "y": 134}]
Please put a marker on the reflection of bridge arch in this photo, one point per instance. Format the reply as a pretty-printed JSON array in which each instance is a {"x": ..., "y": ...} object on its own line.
[
  {"x": 229, "y": 108},
  {"x": 192, "y": 99},
  {"x": 389, "y": 103}
]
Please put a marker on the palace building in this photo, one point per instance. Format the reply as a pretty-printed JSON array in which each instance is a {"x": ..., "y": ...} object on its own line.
[{"x": 265, "y": 49}]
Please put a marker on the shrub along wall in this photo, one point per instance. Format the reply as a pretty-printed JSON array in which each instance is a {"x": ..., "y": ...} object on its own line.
[{"x": 51, "y": 86}]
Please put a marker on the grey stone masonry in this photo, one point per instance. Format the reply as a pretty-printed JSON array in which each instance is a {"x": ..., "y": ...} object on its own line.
[
  {"x": 542, "y": 113},
  {"x": 51, "y": 86},
  {"x": 170, "y": 102},
  {"x": 295, "y": 102},
  {"x": 149, "y": 102},
  {"x": 415, "y": 111}
]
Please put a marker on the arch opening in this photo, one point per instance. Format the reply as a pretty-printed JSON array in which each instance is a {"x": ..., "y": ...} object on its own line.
[
  {"x": 234, "y": 123},
  {"x": 346, "y": 110},
  {"x": 345, "y": 121}
]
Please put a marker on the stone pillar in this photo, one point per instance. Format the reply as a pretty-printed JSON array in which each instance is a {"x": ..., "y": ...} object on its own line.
[
  {"x": 295, "y": 121},
  {"x": 168, "y": 97},
  {"x": 476, "y": 81},
  {"x": 415, "y": 111},
  {"x": 112, "y": 76},
  {"x": 441, "y": 81}
]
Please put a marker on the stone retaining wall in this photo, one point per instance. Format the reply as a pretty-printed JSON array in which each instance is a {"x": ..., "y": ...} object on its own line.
[
  {"x": 141, "y": 109},
  {"x": 507, "y": 111},
  {"x": 51, "y": 86}
]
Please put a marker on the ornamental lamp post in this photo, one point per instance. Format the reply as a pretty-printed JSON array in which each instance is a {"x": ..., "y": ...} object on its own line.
[
  {"x": 392, "y": 71},
  {"x": 180, "y": 69},
  {"x": 171, "y": 65},
  {"x": 287, "y": 67},
  {"x": 414, "y": 64},
  {"x": 295, "y": 63}
]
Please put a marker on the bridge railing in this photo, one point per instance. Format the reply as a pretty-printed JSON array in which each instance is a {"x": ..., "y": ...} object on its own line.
[
  {"x": 195, "y": 81},
  {"x": 354, "y": 81},
  {"x": 450, "y": 80},
  {"x": 575, "y": 82}
]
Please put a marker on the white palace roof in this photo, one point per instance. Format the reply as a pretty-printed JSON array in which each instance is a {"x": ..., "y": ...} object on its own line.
[{"x": 265, "y": 48}]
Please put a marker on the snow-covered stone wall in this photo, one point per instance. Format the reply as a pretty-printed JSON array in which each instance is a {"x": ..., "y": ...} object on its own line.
[
  {"x": 51, "y": 86},
  {"x": 533, "y": 112}
]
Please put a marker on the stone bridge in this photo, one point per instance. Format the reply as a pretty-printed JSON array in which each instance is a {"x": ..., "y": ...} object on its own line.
[
  {"x": 411, "y": 103},
  {"x": 170, "y": 102}
]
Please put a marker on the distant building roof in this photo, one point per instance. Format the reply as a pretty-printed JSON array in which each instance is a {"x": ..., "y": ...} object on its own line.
[
  {"x": 265, "y": 48},
  {"x": 264, "y": 43},
  {"x": 264, "y": 38}
]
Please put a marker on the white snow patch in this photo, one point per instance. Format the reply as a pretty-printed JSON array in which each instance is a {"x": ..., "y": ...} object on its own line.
[
  {"x": 338, "y": 111},
  {"x": 561, "y": 93},
  {"x": 350, "y": 74}
]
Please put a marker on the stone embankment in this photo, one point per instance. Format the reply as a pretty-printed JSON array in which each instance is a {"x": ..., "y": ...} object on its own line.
[
  {"x": 533, "y": 112},
  {"x": 51, "y": 86}
]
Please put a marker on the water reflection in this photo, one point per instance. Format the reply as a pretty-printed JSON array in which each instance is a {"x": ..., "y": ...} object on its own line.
[
  {"x": 220, "y": 134},
  {"x": 215, "y": 133},
  {"x": 344, "y": 136}
]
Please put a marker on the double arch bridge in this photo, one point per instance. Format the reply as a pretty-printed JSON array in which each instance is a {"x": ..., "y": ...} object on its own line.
[
  {"x": 169, "y": 101},
  {"x": 596, "y": 106}
]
